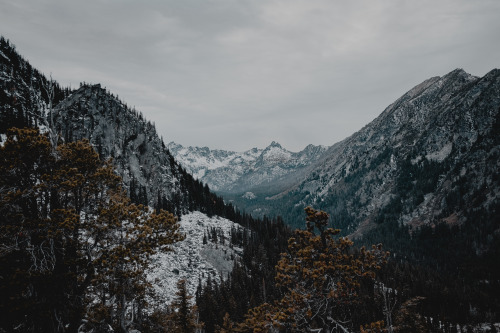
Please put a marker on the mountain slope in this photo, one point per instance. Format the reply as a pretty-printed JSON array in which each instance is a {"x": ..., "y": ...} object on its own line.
[
  {"x": 138, "y": 153},
  {"x": 437, "y": 143},
  {"x": 196, "y": 258},
  {"x": 150, "y": 173},
  {"x": 253, "y": 170},
  {"x": 25, "y": 93}
]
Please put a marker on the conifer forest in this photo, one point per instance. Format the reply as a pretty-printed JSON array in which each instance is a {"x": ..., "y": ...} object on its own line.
[{"x": 105, "y": 228}]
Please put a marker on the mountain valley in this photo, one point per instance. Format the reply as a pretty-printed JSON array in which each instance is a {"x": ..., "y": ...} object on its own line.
[{"x": 422, "y": 178}]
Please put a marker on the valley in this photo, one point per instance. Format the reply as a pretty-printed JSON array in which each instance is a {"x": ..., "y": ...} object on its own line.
[{"x": 420, "y": 181}]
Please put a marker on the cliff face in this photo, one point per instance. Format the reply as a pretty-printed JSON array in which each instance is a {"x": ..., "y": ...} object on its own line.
[
  {"x": 117, "y": 132},
  {"x": 150, "y": 173}
]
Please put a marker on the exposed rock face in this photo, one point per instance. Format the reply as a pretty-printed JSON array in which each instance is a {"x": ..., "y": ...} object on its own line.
[
  {"x": 233, "y": 172},
  {"x": 120, "y": 133},
  {"x": 429, "y": 156},
  {"x": 148, "y": 170},
  {"x": 150, "y": 173},
  {"x": 432, "y": 155}
]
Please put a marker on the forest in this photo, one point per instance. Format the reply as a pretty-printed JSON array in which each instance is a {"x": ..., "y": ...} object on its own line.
[
  {"x": 74, "y": 249},
  {"x": 76, "y": 241}
]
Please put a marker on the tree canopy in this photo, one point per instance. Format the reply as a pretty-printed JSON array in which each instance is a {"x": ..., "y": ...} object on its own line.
[
  {"x": 73, "y": 248},
  {"x": 320, "y": 277}
]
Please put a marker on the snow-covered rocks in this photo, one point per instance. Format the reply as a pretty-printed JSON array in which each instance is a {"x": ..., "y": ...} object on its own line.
[
  {"x": 235, "y": 172},
  {"x": 193, "y": 260}
]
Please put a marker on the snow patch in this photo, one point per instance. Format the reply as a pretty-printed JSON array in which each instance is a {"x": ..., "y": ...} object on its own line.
[
  {"x": 249, "y": 196},
  {"x": 3, "y": 55},
  {"x": 441, "y": 154},
  {"x": 191, "y": 259}
]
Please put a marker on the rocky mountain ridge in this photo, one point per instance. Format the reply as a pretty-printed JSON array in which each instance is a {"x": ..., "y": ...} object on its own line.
[
  {"x": 230, "y": 172},
  {"x": 430, "y": 157},
  {"x": 437, "y": 140},
  {"x": 123, "y": 134},
  {"x": 149, "y": 172}
]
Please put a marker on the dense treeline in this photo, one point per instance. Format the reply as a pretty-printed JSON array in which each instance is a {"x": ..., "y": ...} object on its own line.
[
  {"x": 251, "y": 282},
  {"x": 73, "y": 248},
  {"x": 441, "y": 263},
  {"x": 410, "y": 292},
  {"x": 261, "y": 294}
]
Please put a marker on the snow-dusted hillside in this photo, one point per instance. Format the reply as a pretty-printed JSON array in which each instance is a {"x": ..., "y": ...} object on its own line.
[
  {"x": 203, "y": 161},
  {"x": 193, "y": 260},
  {"x": 234, "y": 172},
  {"x": 431, "y": 156}
]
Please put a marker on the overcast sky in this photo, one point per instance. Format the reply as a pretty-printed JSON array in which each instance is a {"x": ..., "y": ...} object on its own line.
[{"x": 237, "y": 74}]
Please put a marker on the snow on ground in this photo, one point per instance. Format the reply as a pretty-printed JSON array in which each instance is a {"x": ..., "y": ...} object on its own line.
[
  {"x": 191, "y": 259},
  {"x": 249, "y": 195}
]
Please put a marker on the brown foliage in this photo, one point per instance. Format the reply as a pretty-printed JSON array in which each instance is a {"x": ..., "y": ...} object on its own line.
[
  {"x": 71, "y": 243},
  {"x": 320, "y": 277}
]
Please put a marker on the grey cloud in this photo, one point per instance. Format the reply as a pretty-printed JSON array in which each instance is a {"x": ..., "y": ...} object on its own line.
[{"x": 239, "y": 74}]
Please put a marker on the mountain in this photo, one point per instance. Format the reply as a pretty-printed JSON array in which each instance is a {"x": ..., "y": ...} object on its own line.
[
  {"x": 149, "y": 172},
  {"x": 247, "y": 172},
  {"x": 422, "y": 178},
  {"x": 25, "y": 95},
  {"x": 118, "y": 132},
  {"x": 431, "y": 156}
]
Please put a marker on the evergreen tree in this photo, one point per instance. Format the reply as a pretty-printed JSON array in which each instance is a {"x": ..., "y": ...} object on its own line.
[
  {"x": 184, "y": 315},
  {"x": 69, "y": 236},
  {"x": 320, "y": 278}
]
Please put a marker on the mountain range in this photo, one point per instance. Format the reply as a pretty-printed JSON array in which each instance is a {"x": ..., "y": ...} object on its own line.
[
  {"x": 430, "y": 157},
  {"x": 234, "y": 172},
  {"x": 423, "y": 178}
]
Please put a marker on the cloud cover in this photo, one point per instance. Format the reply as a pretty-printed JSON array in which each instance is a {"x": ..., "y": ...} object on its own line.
[{"x": 239, "y": 74}]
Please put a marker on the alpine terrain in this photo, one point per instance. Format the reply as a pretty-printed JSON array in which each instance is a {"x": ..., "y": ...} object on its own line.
[
  {"x": 105, "y": 228},
  {"x": 210, "y": 242},
  {"x": 250, "y": 171}
]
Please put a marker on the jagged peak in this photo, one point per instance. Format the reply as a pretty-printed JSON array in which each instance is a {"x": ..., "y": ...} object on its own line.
[
  {"x": 458, "y": 73},
  {"x": 313, "y": 148},
  {"x": 495, "y": 72},
  {"x": 90, "y": 86},
  {"x": 174, "y": 144},
  {"x": 275, "y": 144}
]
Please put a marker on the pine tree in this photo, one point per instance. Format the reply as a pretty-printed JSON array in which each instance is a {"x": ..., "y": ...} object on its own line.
[
  {"x": 408, "y": 319},
  {"x": 227, "y": 326},
  {"x": 69, "y": 236},
  {"x": 184, "y": 315},
  {"x": 320, "y": 278}
]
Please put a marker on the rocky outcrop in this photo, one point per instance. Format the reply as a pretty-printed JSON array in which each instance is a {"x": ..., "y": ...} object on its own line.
[{"x": 233, "y": 172}]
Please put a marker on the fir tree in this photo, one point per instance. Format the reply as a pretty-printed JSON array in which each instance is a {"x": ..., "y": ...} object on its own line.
[
  {"x": 320, "y": 278},
  {"x": 69, "y": 236},
  {"x": 184, "y": 315}
]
